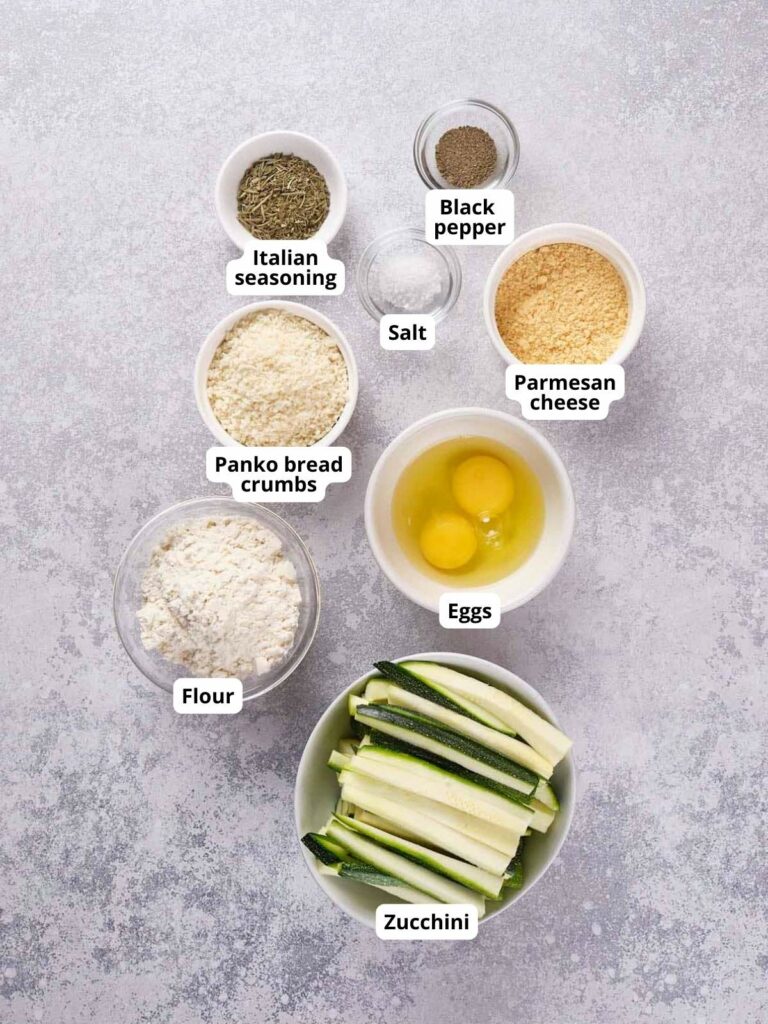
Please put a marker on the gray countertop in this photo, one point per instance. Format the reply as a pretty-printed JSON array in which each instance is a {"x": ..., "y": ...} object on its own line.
[{"x": 149, "y": 870}]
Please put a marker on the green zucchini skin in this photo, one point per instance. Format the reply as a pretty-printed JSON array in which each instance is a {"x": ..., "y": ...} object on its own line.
[
  {"x": 381, "y": 740},
  {"x": 326, "y": 851},
  {"x": 410, "y": 682},
  {"x": 372, "y": 713},
  {"x": 433, "y": 692},
  {"x": 370, "y": 876},
  {"x": 477, "y": 879},
  {"x": 513, "y": 878}
]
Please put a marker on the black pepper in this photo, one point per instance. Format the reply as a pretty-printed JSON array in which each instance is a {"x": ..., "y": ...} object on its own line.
[{"x": 465, "y": 156}]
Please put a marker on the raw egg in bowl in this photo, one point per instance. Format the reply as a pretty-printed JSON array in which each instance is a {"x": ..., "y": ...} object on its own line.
[{"x": 470, "y": 498}]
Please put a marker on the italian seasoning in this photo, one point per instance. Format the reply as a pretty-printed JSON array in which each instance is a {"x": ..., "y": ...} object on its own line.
[
  {"x": 282, "y": 196},
  {"x": 466, "y": 156}
]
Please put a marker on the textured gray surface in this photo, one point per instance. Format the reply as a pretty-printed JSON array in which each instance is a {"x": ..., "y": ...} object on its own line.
[{"x": 148, "y": 866}]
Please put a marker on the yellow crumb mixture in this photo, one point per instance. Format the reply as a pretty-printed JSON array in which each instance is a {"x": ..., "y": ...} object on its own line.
[{"x": 562, "y": 303}]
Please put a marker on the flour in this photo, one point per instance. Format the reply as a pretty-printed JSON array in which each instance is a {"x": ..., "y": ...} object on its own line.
[{"x": 220, "y": 598}]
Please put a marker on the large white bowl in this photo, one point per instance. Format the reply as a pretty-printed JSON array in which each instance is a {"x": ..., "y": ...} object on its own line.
[
  {"x": 559, "y": 517},
  {"x": 317, "y": 789},
  {"x": 297, "y": 144},
  {"x": 215, "y": 338},
  {"x": 580, "y": 234}
]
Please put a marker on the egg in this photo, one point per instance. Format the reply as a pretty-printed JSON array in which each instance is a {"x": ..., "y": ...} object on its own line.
[
  {"x": 448, "y": 540},
  {"x": 483, "y": 486},
  {"x": 467, "y": 511}
]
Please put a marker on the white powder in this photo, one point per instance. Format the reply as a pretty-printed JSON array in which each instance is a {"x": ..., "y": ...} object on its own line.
[
  {"x": 277, "y": 379},
  {"x": 220, "y": 598},
  {"x": 408, "y": 282}
]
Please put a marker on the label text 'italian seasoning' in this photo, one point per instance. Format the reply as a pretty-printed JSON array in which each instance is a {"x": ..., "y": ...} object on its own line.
[{"x": 285, "y": 268}]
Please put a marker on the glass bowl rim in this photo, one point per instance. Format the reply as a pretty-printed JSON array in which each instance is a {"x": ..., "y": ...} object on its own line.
[
  {"x": 238, "y": 507},
  {"x": 424, "y": 172},
  {"x": 416, "y": 234}
]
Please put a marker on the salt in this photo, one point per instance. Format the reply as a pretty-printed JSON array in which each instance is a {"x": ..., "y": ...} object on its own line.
[{"x": 407, "y": 282}]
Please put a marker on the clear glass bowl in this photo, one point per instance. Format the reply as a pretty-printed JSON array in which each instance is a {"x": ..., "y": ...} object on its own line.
[
  {"x": 130, "y": 572},
  {"x": 476, "y": 114},
  {"x": 407, "y": 241}
]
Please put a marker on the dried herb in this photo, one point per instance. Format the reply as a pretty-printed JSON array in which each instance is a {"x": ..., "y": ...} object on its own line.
[
  {"x": 282, "y": 196},
  {"x": 466, "y": 156}
]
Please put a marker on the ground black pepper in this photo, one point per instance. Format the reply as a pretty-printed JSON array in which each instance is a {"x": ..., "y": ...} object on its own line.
[{"x": 466, "y": 156}]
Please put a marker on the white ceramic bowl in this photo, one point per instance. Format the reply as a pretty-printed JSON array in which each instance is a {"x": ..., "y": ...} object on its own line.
[
  {"x": 581, "y": 235},
  {"x": 317, "y": 789},
  {"x": 215, "y": 338},
  {"x": 297, "y": 144},
  {"x": 548, "y": 556}
]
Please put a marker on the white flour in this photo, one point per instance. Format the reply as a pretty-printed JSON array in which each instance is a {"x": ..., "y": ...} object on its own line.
[{"x": 220, "y": 598}]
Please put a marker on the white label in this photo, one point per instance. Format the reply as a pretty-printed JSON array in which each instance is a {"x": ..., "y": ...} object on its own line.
[
  {"x": 469, "y": 609},
  {"x": 426, "y": 921},
  {"x": 207, "y": 696},
  {"x": 470, "y": 216},
  {"x": 409, "y": 332},
  {"x": 565, "y": 392},
  {"x": 278, "y": 474},
  {"x": 285, "y": 268}
]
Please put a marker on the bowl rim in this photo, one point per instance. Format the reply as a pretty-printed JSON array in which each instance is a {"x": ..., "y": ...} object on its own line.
[
  {"x": 325, "y": 233},
  {"x": 542, "y": 235},
  {"x": 423, "y": 170},
  {"x": 519, "y": 424},
  {"x": 470, "y": 662},
  {"x": 216, "y": 336},
  {"x": 446, "y": 253},
  {"x": 238, "y": 508}
]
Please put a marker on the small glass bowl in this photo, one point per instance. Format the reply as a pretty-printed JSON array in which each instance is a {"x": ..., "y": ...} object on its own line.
[
  {"x": 473, "y": 113},
  {"x": 130, "y": 572},
  {"x": 407, "y": 241}
]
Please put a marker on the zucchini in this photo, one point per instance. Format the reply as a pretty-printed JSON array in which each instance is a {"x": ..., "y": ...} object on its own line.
[
  {"x": 326, "y": 851},
  {"x": 397, "y": 818},
  {"x": 436, "y": 693},
  {"x": 338, "y": 761},
  {"x": 437, "y": 886},
  {"x": 513, "y": 877},
  {"x": 546, "y": 795},
  {"x": 376, "y": 690},
  {"x": 427, "y": 734},
  {"x": 504, "y": 840},
  {"x": 382, "y": 741},
  {"x": 389, "y": 826},
  {"x": 470, "y": 875},
  {"x": 342, "y": 807},
  {"x": 347, "y": 746},
  {"x": 358, "y": 872},
  {"x": 550, "y": 742},
  {"x": 420, "y": 777},
  {"x": 543, "y": 816},
  {"x": 510, "y": 747}
]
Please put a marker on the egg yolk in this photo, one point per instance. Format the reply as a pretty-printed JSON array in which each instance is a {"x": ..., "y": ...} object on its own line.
[
  {"x": 483, "y": 486},
  {"x": 448, "y": 540}
]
